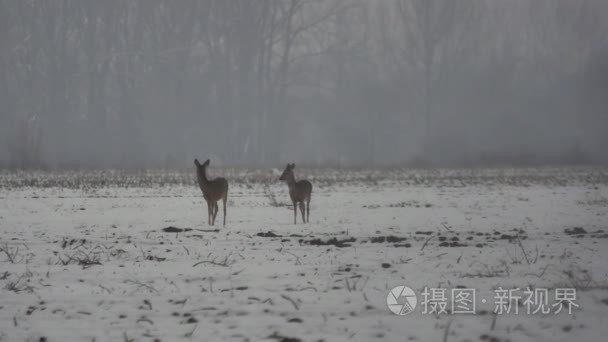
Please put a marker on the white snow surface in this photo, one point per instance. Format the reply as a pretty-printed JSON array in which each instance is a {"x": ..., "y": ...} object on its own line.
[{"x": 85, "y": 263}]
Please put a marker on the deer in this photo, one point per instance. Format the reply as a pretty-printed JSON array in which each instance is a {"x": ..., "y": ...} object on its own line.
[
  {"x": 299, "y": 192},
  {"x": 213, "y": 191}
]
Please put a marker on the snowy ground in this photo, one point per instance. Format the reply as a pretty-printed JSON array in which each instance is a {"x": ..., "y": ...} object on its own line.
[{"x": 84, "y": 255}]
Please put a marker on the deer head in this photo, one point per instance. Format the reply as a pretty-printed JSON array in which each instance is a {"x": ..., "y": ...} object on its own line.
[
  {"x": 288, "y": 173},
  {"x": 201, "y": 168},
  {"x": 203, "y": 165}
]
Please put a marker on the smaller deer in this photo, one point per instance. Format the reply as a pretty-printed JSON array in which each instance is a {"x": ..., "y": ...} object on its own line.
[
  {"x": 299, "y": 192},
  {"x": 213, "y": 191}
]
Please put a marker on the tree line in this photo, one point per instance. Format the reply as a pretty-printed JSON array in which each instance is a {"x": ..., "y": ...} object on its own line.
[{"x": 152, "y": 83}]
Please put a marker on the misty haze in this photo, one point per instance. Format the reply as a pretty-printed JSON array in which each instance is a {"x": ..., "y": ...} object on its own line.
[
  {"x": 152, "y": 83},
  {"x": 303, "y": 170}
]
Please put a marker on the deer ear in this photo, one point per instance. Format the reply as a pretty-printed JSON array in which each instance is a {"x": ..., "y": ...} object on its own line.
[
  {"x": 196, "y": 162},
  {"x": 293, "y": 165},
  {"x": 206, "y": 162}
]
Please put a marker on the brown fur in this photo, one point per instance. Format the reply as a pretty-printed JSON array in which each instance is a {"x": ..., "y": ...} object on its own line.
[
  {"x": 299, "y": 192},
  {"x": 213, "y": 191}
]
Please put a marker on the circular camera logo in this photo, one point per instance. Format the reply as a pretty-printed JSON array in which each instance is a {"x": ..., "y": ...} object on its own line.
[{"x": 401, "y": 300}]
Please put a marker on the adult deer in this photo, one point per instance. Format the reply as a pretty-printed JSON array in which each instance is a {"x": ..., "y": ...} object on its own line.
[
  {"x": 213, "y": 191},
  {"x": 299, "y": 192}
]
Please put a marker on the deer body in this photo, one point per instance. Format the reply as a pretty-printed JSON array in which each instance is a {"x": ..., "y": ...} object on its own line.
[
  {"x": 213, "y": 191},
  {"x": 299, "y": 192}
]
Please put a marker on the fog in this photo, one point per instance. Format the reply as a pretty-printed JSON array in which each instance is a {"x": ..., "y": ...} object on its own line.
[{"x": 134, "y": 84}]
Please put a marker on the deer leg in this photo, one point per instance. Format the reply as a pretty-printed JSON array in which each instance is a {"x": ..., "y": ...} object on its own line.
[
  {"x": 212, "y": 209},
  {"x": 211, "y": 206},
  {"x": 225, "y": 199},
  {"x": 215, "y": 209},
  {"x": 302, "y": 211},
  {"x": 308, "y": 209},
  {"x": 295, "y": 211},
  {"x": 212, "y": 216},
  {"x": 208, "y": 213}
]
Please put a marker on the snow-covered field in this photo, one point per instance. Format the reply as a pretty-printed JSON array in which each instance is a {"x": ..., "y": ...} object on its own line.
[{"x": 84, "y": 256}]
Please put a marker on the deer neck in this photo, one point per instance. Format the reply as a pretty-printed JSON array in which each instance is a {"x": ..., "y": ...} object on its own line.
[
  {"x": 291, "y": 182},
  {"x": 203, "y": 181}
]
